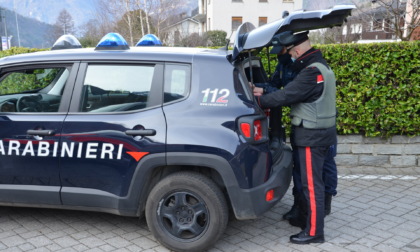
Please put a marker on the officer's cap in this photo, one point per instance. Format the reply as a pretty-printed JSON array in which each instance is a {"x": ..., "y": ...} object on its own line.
[
  {"x": 288, "y": 39},
  {"x": 277, "y": 47}
]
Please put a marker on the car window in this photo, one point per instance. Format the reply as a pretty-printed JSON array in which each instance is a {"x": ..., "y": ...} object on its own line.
[
  {"x": 177, "y": 82},
  {"x": 32, "y": 89},
  {"x": 241, "y": 84},
  {"x": 116, "y": 88}
]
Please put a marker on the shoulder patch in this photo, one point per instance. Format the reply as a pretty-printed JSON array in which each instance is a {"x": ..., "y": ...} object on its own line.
[{"x": 319, "y": 79}]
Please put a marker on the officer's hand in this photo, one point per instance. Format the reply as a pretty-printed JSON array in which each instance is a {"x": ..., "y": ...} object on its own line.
[{"x": 258, "y": 91}]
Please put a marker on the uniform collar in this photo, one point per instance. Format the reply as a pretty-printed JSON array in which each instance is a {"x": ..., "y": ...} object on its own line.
[{"x": 306, "y": 59}]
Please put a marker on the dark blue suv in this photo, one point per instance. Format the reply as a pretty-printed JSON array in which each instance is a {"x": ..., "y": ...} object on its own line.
[{"x": 174, "y": 133}]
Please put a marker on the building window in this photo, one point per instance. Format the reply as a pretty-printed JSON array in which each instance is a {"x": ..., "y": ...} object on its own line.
[
  {"x": 236, "y": 22},
  {"x": 288, "y": 1},
  {"x": 377, "y": 24},
  {"x": 236, "y": 1},
  {"x": 262, "y": 21},
  {"x": 263, "y": 1},
  {"x": 388, "y": 25}
]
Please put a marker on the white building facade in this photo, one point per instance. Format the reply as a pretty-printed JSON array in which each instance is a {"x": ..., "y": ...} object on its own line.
[
  {"x": 227, "y": 15},
  {"x": 180, "y": 30}
]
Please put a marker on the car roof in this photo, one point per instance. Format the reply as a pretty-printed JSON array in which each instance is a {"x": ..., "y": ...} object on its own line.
[{"x": 146, "y": 53}]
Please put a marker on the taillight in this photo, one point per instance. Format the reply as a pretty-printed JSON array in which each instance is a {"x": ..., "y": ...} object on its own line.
[
  {"x": 254, "y": 128},
  {"x": 246, "y": 129},
  {"x": 269, "y": 196}
]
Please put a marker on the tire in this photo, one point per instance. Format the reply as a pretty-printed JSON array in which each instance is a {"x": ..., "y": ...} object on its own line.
[{"x": 186, "y": 211}]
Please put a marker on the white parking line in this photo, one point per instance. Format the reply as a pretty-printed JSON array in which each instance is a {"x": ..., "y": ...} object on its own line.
[{"x": 382, "y": 177}]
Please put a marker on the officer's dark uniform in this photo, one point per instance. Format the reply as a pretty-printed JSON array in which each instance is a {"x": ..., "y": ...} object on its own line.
[
  {"x": 312, "y": 98},
  {"x": 279, "y": 79}
]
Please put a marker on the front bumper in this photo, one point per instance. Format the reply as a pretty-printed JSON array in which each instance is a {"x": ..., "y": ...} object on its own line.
[{"x": 251, "y": 203}]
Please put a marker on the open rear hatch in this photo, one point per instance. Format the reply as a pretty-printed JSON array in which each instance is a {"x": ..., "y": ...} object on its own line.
[{"x": 249, "y": 38}]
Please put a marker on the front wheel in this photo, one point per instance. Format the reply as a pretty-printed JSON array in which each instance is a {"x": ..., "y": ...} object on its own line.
[{"x": 186, "y": 211}]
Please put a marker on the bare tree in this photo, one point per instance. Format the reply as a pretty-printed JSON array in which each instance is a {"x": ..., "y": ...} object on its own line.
[
  {"x": 162, "y": 10},
  {"x": 107, "y": 13},
  {"x": 144, "y": 7},
  {"x": 91, "y": 33},
  {"x": 138, "y": 3},
  {"x": 147, "y": 11},
  {"x": 128, "y": 20},
  {"x": 372, "y": 18},
  {"x": 64, "y": 24},
  {"x": 135, "y": 18},
  {"x": 397, "y": 17}
]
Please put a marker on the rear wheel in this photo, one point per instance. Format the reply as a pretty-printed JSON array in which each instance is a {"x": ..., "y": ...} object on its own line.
[{"x": 186, "y": 212}]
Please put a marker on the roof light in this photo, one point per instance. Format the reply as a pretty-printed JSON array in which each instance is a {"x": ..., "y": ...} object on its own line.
[
  {"x": 149, "y": 40},
  {"x": 112, "y": 41},
  {"x": 66, "y": 42}
]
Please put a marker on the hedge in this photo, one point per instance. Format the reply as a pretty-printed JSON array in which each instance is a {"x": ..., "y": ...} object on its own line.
[
  {"x": 19, "y": 50},
  {"x": 378, "y": 86}
]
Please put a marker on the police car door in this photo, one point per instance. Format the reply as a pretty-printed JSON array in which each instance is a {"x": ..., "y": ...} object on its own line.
[
  {"x": 114, "y": 132},
  {"x": 33, "y": 104}
]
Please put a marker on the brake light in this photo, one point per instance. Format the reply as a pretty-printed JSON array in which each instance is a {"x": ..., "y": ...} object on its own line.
[
  {"x": 269, "y": 196},
  {"x": 253, "y": 128},
  {"x": 258, "y": 134},
  {"x": 246, "y": 129}
]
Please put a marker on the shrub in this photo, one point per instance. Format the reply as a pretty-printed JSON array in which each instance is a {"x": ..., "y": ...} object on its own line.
[
  {"x": 19, "y": 50},
  {"x": 217, "y": 38},
  {"x": 378, "y": 87}
]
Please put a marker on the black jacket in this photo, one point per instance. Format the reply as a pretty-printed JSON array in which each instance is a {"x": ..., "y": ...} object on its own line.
[{"x": 303, "y": 88}]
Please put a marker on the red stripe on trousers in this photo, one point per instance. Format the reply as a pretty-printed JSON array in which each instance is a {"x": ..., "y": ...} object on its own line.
[{"x": 312, "y": 202}]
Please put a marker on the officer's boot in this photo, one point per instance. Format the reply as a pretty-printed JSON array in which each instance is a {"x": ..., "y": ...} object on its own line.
[
  {"x": 294, "y": 212},
  {"x": 328, "y": 199},
  {"x": 300, "y": 219}
]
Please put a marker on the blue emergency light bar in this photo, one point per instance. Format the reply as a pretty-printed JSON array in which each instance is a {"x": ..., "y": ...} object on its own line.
[
  {"x": 66, "y": 42},
  {"x": 112, "y": 41},
  {"x": 149, "y": 40}
]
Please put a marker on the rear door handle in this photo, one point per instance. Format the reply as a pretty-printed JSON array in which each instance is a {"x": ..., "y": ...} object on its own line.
[
  {"x": 143, "y": 132},
  {"x": 40, "y": 132}
]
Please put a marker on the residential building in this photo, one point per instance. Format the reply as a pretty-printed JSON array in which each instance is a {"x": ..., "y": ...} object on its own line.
[
  {"x": 181, "y": 29},
  {"x": 228, "y": 15},
  {"x": 379, "y": 22},
  {"x": 413, "y": 17}
]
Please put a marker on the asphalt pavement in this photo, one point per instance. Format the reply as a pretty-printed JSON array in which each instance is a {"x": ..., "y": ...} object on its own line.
[{"x": 376, "y": 209}]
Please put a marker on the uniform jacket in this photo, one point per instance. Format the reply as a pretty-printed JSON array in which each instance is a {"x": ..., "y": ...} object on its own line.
[{"x": 303, "y": 88}]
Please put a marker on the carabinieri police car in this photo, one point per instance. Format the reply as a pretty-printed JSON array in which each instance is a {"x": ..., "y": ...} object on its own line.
[{"x": 174, "y": 133}]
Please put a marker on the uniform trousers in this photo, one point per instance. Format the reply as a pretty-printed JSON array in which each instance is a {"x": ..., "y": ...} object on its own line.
[
  {"x": 311, "y": 162},
  {"x": 329, "y": 173}
]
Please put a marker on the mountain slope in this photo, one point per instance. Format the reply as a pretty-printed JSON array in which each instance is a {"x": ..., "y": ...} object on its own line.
[
  {"x": 47, "y": 11},
  {"x": 32, "y": 33}
]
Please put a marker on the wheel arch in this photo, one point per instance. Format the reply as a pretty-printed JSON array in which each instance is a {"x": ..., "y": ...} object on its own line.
[{"x": 150, "y": 171}]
